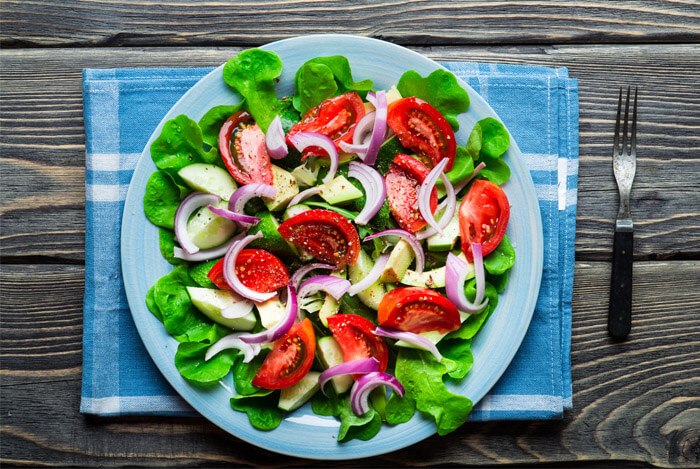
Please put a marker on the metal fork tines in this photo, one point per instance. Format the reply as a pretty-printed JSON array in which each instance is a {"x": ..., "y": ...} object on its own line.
[
  {"x": 624, "y": 166},
  {"x": 625, "y": 161}
]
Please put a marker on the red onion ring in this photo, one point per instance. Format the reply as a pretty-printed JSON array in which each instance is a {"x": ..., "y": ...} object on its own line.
[
  {"x": 305, "y": 269},
  {"x": 243, "y": 194},
  {"x": 238, "y": 309},
  {"x": 334, "y": 286},
  {"x": 371, "y": 277},
  {"x": 361, "y": 366},
  {"x": 425, "y": 192},
  {"x": 365, "y": 384},
  {"x": 375, "y": 190},
  {"x": 379, "y": 130},
  {"x": 303, "y": 140},
  {"x": 303, "y": 195},
  {"x": 187, "y": 207},
  {"x": 363, "y": 128},
  {"x": 410, "y": 337},
  {"x": 207, "y": 254},
  {"x": 455, "y": 277},
  {"x": 448, "y": 206},
  {"x": 410, "y": 239},
  {"x": 237, "y": 217},
  {"x": 231, "y": 276},
  {"x": 283, "y": 325},
  {"x": 233, "y": 341},
  {"x": 274, "y": 140}
]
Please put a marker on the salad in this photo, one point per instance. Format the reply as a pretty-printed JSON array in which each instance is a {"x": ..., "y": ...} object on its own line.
[{"x": 337, "y": 246}]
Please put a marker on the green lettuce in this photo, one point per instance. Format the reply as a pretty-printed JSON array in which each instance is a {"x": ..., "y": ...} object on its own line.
[
  {"x": 189, "y": 360},
  {"x": 501, "y": 259},
  {"x": 161, "y": 200},
  {"x": 460, "y": 352},
  {"x": 487, "y": 142},
  {"x": 462, "y": 169},
  {"x": 151, "y": 303},
  {"x": 167, "y": 241},
  {"x": 253, "y": 73},
  {"x": 180, "y": 144},
  {"x": 199, "y": 272},
  {"x": 475, "y": 322},
  {"x": 211, "y": 122},
  {"x": 261, "y": 408},
  {"x": 362, "y": 427},
  {"x": 440, "y": 89},
  {"x": 243, "y": 374}
]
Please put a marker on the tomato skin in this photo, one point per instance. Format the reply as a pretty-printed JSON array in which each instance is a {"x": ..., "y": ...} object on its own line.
[
  {"x": 416, "y": 309},
  {"x": 356, "y": 338},
  {"x": 483, "y": 217},
  {"x": 290, "y": 359},
  {"x": 403, "y": 181},
  {"x": 421, "y": 127},
  {"x": 258, "y": 270},
  {"x": 326, "y": 235},
  {"x": 248, "y": 160},
  {"x": 336, "y": 118}
]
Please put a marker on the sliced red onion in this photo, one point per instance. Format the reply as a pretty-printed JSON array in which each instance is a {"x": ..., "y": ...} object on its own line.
[
  {"x": 303, "y": 140},
  {"x": 334, "y": 286},
  {"x": 447, "y": 207},
  {"x": 303, "y": 195},
  {"x": 359, "y": 150},
  {"x": 233, "y": 341},
  {"x": 237, "y": 217},
  {"x": 187, "y": 207},
  {"x": 231, "y": 276},
  {"x": 207, "y": 254},
  {"x": 274, "y": 140},
  {"x": 365, "y": 384},
  {"x": 362, "y": 134},
  {"x": 379, "y": 130},
  {"x": 463, "y": 184},
  {"x": 415, "y": 339},
  {"x": 455, "y": 277},
  {"x": 244, "y": 193},
  {"x": 361, "y": 366},
  {"x": 305, "y": 269},
  {"x": 425, "y": 192},
  {"x": 410, "y": 239},
  {"x": 375, "y": 190},
  {"x": 281, "y": 327},
  {"x": 238, "y": 309},
  {"x": 371, "y": 277},
  {"x": 479, "y": 272}
]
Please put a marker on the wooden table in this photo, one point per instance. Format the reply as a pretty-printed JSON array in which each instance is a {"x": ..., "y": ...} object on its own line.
[{"x": 636, "y": 402}]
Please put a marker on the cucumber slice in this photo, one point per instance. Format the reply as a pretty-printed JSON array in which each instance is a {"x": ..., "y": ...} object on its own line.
[
  {"x": 296, "y": 395},
  {"x": 399, "y": 261},
  {"x": 374, "y": 294},
  {"x": 207, "y": 230},
  {"x": 330, "y": 354},
  {"x": 211, "y": 302},
  {"x": 294, "y": 210},
  {"x": 306, "y": 176},
  {"x": 270, "y": 311},
  {"x": 208, "y": 178},
  {"x": 287, "y": 188},
  {"x": 432, "y": 278},
  {"x": 339, "y": 191},
  {"x": 272, "y": 240},
  {"x": 446, "y": 240},
  {"x": 330, "y": 304}
]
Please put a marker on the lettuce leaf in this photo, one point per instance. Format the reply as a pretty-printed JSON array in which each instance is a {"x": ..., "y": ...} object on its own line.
[
  {"x": 460, "y": 352},
  {"x": 475, "y": 322},
  {"x": 261, "y": 408},
  {"x": 199, "y": 272},
  {"x": 487, "y": 142},
  {"x": 462, "y": 169},
  {"x": 180, "y": 144},
  {"x": 167, "y": 241},
  {"x": 151, "y": 303},
  {"x": 211, "y": 122},
  {"x": 161, "y": 200},
  {"x": 422, "y": 379},
  {"x": 243, "y": 374},
  {"x": 362, "y": 427},
  {"x": 501, "y": 259},
  {"x": 189, "y": 360},
  {"x": 440, "y": 89},
  {"x": 253, "y": 73}
]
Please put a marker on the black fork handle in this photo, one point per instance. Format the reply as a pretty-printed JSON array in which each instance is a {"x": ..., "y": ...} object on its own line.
[{"x": 620, "y": 313}]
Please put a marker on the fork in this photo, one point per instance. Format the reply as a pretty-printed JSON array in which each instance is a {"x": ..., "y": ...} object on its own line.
[{"x": 624, "y": 166}]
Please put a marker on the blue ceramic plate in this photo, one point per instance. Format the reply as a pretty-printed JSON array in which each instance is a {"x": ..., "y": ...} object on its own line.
[{"x": 303, "y": 433}]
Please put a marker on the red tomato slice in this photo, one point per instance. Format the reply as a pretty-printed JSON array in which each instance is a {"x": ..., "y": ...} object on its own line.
[
  {"x": 483, "y": 217},
  {"x": 243, "y": 149},
  {"x": 415, "y": 309},
  {"x": 335, "y": 118},
  {"x": 290, "y": 359},
  {"x": 326, "y": 235},
  {"x": 403, "y": 180},
  {"x": 257, "y": 269},
  {"x": 356, "y": 338},
  {"x": 421, "y": 127}
]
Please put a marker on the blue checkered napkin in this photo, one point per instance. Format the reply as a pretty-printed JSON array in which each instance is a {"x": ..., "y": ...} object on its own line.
[{"x": 122, "y": 107}]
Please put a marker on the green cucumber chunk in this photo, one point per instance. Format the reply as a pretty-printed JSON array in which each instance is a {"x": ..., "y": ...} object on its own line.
[
  {"x": 446, "y": 241},
  {"x": 207, "y": 230},
  {"x": 286, "y": 186},
  {"x": 339, "y": 191},
  {"x": 208, "y": 178},
  {"x": 271, "y": 241},
  {"x": 373, "y": 295},
  {"x": 211, "y": 302},
  {"x": 296, "y": 395},
  {"x": 330, "y": 354}
]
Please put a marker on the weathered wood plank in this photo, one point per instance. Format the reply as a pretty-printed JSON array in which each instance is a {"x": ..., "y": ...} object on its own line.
[
  {"x": 633, "y": 401},
  {"x": 43, "y": 141},
  {"x": 249, "y": 23}
]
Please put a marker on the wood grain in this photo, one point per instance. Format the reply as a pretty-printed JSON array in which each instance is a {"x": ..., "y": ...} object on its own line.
[
  {"x": 633, "y": 401},
  {"x": 42, "y": 142},
  {"x": 248, "y": 22}
]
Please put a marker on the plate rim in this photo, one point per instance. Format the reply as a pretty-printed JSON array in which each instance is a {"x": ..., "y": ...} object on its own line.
[{"x": 353, "y": 453}]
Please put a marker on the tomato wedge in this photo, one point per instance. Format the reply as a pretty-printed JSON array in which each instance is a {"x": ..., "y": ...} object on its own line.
[
  {"x": 483, "y": 217},
  {"x": 421, "y": 127},
  {"x": 403, "y": 180},
  {"x": 356, "y": 338},
  {"x": 335, "y": 118},
  {"x": 290, "y": 359},
  {"x": 326, "y": 235},
  {"x": 416, "y": 309},
  {"x": 257, "y": 269},
  {"x": 242, "y": 147}
]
